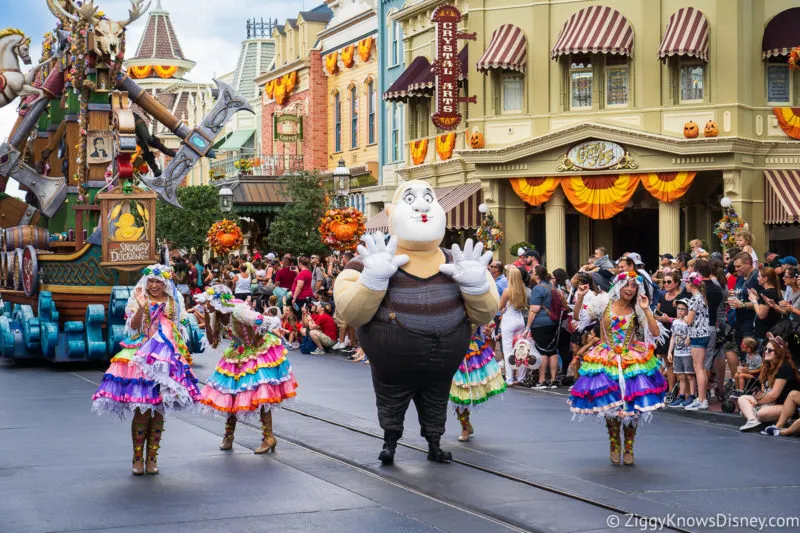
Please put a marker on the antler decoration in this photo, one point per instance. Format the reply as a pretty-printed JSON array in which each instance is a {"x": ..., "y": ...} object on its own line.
[
  {"x": 60, "y": 13},
  {"x": 135, "y": 11},
  {"x": 87, "y": 11}
]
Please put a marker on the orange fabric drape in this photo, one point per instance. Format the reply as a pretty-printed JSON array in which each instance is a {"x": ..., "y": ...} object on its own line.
[
  {"x": 419, "y": 149},
  {"x": 667, "y": 186},
  {"x": 599, "y": 197},
  {"x": 165, "y": 71},
  {"x": 269, "y": 88},
  {"x": 140, "y": 72},
  {"x": 365, "y": 48},
  {"x": 788, "y": 120},
  {"x": 348, "y": 55},
  {"x": 283, "y": 86},
  {"x": 445, "y": 144},
  {"x": 331, "y": 62},
  {"x": 535, "y": 191}
]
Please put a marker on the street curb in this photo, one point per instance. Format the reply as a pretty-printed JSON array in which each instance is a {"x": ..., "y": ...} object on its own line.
[{"x": 712, "y": 417}]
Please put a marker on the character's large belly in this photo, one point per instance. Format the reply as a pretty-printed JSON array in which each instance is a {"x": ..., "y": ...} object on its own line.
[{"x": 433, "y": 305}]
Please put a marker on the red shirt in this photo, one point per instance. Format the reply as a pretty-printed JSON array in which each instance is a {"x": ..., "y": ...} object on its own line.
[
  {"x": 326, "y": 324},
  {"x": 285, "y": 278},
  {"x": 307, "y": 291}
]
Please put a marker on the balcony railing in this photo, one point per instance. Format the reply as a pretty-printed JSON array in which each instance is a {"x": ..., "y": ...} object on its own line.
[{"x": 251, "y": 163}]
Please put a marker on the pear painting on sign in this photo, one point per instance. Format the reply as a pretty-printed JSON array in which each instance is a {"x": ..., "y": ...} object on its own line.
[{"x": 447, "y": 67}]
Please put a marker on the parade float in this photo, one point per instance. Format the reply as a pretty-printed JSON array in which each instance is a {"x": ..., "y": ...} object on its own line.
[{"x": 73, "y": 249}]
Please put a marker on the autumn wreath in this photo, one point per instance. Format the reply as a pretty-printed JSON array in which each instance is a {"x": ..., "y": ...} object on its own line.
[
  {"x": 224, "y": 236},
  {"x": 490, "y": 232},
  {"x": 341, "y": 229}
]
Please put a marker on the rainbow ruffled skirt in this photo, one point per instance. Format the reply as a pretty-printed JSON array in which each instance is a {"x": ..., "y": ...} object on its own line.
[
  {"x": 250, "y": 377},
  {"x": 478, "y": 377},
  {"x": 600, "y": 391}
]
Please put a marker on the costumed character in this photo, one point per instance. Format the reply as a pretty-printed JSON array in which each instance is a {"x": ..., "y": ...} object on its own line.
[
  {"x": 414, "y": 322},
  {"x": 146, "y": 141},
  {"x": 620, "y": 378},
  {"x": 253, "y": 374},
  {"x": 150, "y": 375},
  {"x": 477, "y": 379}
]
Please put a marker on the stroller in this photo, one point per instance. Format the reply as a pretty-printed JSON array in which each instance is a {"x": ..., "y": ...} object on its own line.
[
  {"x": 730, "y": 403},
  {"x": 525, "y": 357}
]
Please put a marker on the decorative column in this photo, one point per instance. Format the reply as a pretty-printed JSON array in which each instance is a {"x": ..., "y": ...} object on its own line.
[
  {"x": 555, "y": 213},
  {"x": 669, "y": 227}
]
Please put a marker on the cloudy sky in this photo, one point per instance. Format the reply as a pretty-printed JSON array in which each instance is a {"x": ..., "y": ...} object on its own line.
[{"x": 209, "y": 31}]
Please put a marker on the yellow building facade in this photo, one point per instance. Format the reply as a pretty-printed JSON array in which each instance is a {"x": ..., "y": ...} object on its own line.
[{"x": 585, "y": 111}]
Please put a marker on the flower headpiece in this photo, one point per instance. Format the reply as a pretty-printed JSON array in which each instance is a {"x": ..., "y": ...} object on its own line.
[
  {"x": 621, "y": 280},
  {"x": 695, "y": 279},
  {"x": 163, "y": 274},
  {"x": 220, "y": 297},
  {"x": 158, "y": 271}
]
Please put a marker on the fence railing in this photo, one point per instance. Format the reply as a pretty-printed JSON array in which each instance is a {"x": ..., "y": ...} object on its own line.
[{"x": 251, "y": 163}]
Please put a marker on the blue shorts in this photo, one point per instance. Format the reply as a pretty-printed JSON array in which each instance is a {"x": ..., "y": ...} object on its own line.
[{"x": 699, "y": 342}]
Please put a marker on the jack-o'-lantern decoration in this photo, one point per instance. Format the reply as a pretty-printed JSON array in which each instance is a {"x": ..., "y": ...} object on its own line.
[
  {"x": 341, "y": 229},
  {"x": 711, "y": 129},
  {"x": 224, "y": 236},
  {"x": 691, "y": 130},
  {"x": 476, "y": 140}
]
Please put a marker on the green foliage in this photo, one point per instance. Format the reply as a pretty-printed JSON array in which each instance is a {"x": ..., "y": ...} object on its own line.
[
  {"x": 517, "y": 246},
  {"x": 186, "y": 228},
  {"x": 294, "y": 229}
]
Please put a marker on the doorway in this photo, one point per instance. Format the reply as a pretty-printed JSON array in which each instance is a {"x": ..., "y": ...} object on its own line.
[{"x": 636, "y": 230}]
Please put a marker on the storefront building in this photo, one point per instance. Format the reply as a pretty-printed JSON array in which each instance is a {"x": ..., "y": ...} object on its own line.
[{"x": 622, "y": 124}]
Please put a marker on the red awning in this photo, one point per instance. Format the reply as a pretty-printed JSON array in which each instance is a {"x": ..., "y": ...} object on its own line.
[
  {"x": 508, "y": 49},
  {"x": 781, "y": 34},
  {"x": 596, "y": 29},
  {"x": 686, "y": 35},
  {"x": 425, "y": 86},
  {"x": 418, "y": 70},
  {"x": 782, "y": 196}
]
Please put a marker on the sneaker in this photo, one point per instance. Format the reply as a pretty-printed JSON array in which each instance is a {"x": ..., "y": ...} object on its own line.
[
  {"x": 296, "y": 345},
  {"x": 540, "y": 386},
  {"x": 697, "y": 405},
  {"x": 773, "y": 431},
  {"x": 553, "y": 385},
  {"x": 318, "y": 352},
  {"x": 338, "y": 346},
  {"x": 678, "y": 402},
  {"x": 688, "y": 401},
  {"x": 349, "y": 349},
  {"x": 750, "y": 425}
]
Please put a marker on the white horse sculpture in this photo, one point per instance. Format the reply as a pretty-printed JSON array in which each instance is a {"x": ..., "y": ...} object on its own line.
[{"x": 14, "y": 46}]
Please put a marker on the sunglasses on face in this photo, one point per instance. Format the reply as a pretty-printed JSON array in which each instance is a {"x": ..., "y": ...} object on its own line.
[{"x": 769, "y": 350}]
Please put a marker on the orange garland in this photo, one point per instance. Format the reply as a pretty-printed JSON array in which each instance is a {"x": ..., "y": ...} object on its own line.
[
  {"x": 535, "y": 191},
  {"x": 419, "y": 149},
  {"x": 445, "y": 144},
  {"x": 347, "y": 55},
  {"x": 365, "y": 48},
  {"x": 331, "y": 64},
  {"x": 269, "y": 89},
  {"x": 139, "y": 72},
  {"x": 283, "y": 86},
  {"x": 667, "y": 186},
  {"x": 165, "y": 71},
  {"x": 788, "y": 120},
  {"x": 599, "y": 197}
]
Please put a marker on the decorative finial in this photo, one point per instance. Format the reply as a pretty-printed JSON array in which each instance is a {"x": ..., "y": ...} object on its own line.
[{"x": 158, "y": 5}]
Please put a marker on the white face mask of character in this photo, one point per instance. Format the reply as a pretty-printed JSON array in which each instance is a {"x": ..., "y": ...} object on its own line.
[{"x": 416, "y": 214}]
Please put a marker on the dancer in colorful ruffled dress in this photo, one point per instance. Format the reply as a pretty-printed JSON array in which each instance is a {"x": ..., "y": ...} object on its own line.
[
  {"x": 253, "y": 374},
  {"x": 620, "y": 378},
  {"x": 151, "y": 375},
  {"x": 477, "y": 379}
]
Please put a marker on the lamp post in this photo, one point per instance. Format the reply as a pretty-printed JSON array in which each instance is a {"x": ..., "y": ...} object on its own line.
[
  {"x": 341, "y": 183},
  {"x": 225, "y": 199}
]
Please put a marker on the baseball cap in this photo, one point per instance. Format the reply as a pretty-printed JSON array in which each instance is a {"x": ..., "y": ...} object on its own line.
[
  {"x": 270, "y": 256},
  {"x": 667, "y": 256},
  {"x": 637, "y": 259},
  {"x": 788, "y": 260},
  {"x": 533, "y": 253}
]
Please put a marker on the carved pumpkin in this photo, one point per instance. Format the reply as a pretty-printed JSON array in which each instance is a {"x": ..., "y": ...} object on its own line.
[
  {"x": 711, "y": 129},
  {"x": 690, "y": 130},
  {"x": 227, "y": 240},
  {"x": 476, "y": 140},
  {"x": 343, "y": 232}
]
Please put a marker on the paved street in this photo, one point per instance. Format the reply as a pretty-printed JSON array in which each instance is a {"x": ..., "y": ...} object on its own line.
[{"x": 527, "y": 468}]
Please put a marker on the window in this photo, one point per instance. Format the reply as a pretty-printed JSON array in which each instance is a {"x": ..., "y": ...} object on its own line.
[
  {"x": 779, "y": 81},
  {"x": 512, "y": 88},
  {"x": 397, "y": 146},
  {"x": 691, "y": 82},
  {"x": 616, "y": 80},
  {"x": 420, "y": 109},
  {"x": 395, "y": 43},
  {"x": 581, "y": 80},
  {"x": 371, "y": 112},
  {"x": 337, "y": 117},
  {"x": 353, "y": 118}
]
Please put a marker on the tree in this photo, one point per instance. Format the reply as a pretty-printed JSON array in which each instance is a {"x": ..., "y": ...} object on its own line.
[
  {"x": 186, "y": 227},
  {"x": 294, "y": 229}
]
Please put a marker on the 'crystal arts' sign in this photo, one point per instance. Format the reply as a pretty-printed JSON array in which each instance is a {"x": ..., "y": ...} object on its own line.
[{"x": 447, "y": 67}]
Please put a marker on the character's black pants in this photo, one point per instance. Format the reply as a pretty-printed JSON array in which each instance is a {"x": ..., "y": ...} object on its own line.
[{"x": 408, "y": 365}]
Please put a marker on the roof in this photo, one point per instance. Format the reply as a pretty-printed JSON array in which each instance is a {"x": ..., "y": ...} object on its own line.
[
  {"x": 254, "y": 190},
  {"x": 317, "y": 16},
  {"x": 255, "y": 58},
  {"x": 237, "y": 139},
  {"x": 324, "y": 9},
  {"x": 159, "y": 40}
]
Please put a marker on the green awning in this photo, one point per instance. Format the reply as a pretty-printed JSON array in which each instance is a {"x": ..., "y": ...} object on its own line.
[
  {"x": 258, "y": 208},
  {"x": 237, "y": 140},
  {"x": 220, "y": 140}
]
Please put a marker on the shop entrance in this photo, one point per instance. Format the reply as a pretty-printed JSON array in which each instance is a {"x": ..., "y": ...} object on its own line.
[{"x": 636, "y": 230}]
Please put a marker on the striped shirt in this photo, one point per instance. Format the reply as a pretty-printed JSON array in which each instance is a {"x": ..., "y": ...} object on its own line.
[{"x": 427, "y": 305}]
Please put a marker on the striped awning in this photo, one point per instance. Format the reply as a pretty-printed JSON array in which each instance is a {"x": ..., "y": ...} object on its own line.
[
  {"x": 460, "y": 202},
  {"x": 425, "y": 85},
  {"x": 596, "y": 29},
  {"x": 417, "y": 71},
  {"x": 508, "y": 49},
  {"x": 781, "y": 34},
  {"x": 782, "y": 196},
  {"x": 686, "y": 35}
]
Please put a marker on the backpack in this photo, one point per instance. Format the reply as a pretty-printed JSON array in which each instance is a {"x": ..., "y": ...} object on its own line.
[{"x": 559, "y": 310}]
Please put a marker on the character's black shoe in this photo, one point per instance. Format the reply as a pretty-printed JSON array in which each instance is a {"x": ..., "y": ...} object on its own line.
[
  {"x": 437, "y": 454},
  {"x": 390, "y": 439}
]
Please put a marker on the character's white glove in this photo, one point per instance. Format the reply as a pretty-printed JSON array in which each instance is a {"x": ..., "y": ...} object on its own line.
[
  {"x": 468, "y": 268},
  {"x": 379, "y": 260}
]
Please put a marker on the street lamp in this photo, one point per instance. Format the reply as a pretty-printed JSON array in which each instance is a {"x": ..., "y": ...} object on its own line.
[
  {"x": 225, "y": 199},
  {"x": 341, "y": 182}
]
